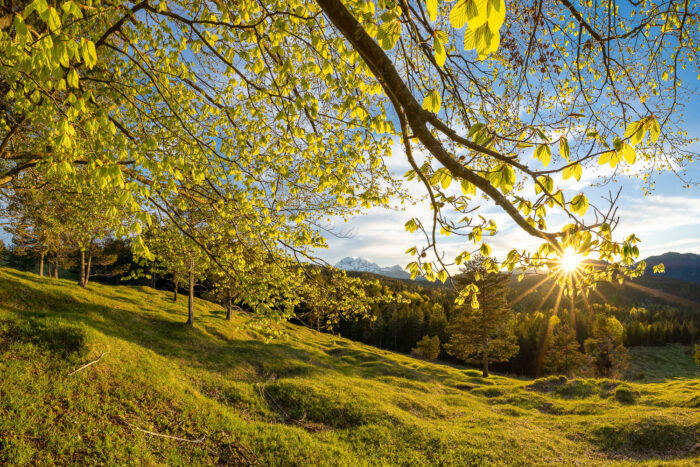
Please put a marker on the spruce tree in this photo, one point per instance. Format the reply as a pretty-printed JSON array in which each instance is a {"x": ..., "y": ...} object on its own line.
[
  {"x": 485, "y": 334},
  {"x": 564, "y": 354},
  {"x": 428, "y": 348}
]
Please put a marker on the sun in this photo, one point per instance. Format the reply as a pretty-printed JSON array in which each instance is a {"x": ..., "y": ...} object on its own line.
[{"x": 570, "y": 261}]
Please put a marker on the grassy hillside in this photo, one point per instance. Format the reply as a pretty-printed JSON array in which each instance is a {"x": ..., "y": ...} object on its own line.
[{"x": 305, "y": 399}]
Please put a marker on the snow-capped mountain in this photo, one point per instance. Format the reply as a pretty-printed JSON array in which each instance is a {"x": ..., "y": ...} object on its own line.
[{"x": 363, "y": 265}]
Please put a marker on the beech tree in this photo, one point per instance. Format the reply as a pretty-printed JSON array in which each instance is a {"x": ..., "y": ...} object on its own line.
[
  {"x": 36, "y": 221},
  {"x": 280, "y": 113},
  {"x": 178, "y": 255},
  {"x": 482, "y": 332}
]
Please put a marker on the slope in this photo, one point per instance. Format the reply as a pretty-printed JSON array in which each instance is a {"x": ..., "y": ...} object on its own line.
[{"x": 218, "y": 394}]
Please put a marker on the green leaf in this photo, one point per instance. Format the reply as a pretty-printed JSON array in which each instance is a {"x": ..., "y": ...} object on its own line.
[
  {"x": 468, "y": 188},
  {"x": 573, "y": 171},
  {"x": 39, "y": 6},
  {"x": 440, "y": 52},
  {"x": 54, "y": 20},
  {"x": 431, "y": 102},
  {"x": 72, "y": 78},
  {"x": 389, "y": 33},
  {"x": 635, "y": 132},
  {"x": 432, "y": 7},
  {"x": 485, "y": 250},
  {"x": 503, "y": 177},
  {"x": 89, "y": 53},
  {"x": 475, "y": 128},
  {"x": 544, "y": 154},
  {"x": 579, "y": 204},
  {"x": 411, "y": 225},
  {"x": 629, "y": 153},
  {"x": 564, "y": 149},
  {"x": 458, "y": 14},
  {"x": 546, "y": 182},
  {"x": 654, "y": 129}
]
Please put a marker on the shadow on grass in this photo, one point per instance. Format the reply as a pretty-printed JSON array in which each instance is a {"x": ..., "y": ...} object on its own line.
[{"x": 205, "y": 346}]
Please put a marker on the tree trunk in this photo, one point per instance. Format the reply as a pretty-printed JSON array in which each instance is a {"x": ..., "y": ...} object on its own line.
[
  {"x": 318, "y": 320},
  {"x": 81, "y": 280},
  {"x": 41, "y": 263},
  {"x": 55, "y": 269},
  {"x": 485, "y": 361},
  {"x": 175, "y": 287},
  {"x": 190, "y": 303},
  {"x": 89, "y": 265},
  {"x": 229, "y": 304}
]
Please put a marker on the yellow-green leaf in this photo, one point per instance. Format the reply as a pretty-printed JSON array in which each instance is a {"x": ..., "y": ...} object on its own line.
[
  {"x": 431, "y": 102},
  {"x": 544, "y": 154},
  {"x": 564, "y": 148},
  {"x": 579, "y": 204},
  {"x": 432, "y": 7}
]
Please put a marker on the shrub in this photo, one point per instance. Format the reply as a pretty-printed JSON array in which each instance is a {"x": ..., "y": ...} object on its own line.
[
  {"x": 548, "y": 383},
  {"x": 626, "y": 395}
]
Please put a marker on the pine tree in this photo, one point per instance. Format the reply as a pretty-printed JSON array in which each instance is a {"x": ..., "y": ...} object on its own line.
[
  {"x": 564, "y": 354},
  {"x": 484, "y": 334},
  {"x": 428, "y": 348}
]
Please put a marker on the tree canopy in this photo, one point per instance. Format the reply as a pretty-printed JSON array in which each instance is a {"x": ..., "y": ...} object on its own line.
[{"x": 274, "y": 116}]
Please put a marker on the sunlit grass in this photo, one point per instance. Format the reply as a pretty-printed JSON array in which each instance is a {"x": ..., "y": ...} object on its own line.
[{"x": 306, "y": 399}]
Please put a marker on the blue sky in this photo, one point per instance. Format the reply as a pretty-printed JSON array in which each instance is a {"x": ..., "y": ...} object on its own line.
[{"x": 668, "y": 219}]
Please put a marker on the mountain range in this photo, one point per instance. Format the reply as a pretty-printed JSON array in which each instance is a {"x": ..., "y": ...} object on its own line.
[
  {"x": 685, "y": 266},
  {"x": 350, "y": 263}
]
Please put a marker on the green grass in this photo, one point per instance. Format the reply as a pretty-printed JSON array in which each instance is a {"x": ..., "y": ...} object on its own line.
[
  {"x": 305, "y": 399},
  {"x": 654, "y": 364}
]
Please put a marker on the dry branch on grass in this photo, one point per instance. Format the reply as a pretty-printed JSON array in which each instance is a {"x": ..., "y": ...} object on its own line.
[
  {"x": 87, "y": 364},
  {"x": 176, "y": 438}
]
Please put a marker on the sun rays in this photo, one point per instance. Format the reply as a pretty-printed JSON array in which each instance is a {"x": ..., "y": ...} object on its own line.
[{"x": 570, "y": 261}]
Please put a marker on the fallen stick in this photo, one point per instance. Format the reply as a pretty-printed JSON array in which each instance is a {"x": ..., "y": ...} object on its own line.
[
  {"x": 87, "y": 364},
  {"x": 194, "y": 441}
]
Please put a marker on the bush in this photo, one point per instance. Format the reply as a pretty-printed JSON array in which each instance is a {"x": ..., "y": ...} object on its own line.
[
  {"x": 548, "y": 383},
  {"x": 626, "y": 395}
]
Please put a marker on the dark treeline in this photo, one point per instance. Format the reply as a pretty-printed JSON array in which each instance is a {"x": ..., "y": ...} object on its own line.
[{"x": 428, "y": 309}]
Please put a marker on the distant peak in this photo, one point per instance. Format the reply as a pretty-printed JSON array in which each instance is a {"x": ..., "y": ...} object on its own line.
[{"x": 352, "y": 263}]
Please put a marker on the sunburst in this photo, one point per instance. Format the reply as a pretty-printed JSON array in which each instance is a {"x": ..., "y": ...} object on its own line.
[{"x": 570, "y": 261}]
